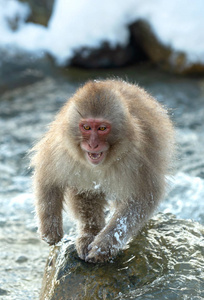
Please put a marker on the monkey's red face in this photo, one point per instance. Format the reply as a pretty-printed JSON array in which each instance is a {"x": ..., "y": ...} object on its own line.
[{"x": 94, "y": 139}]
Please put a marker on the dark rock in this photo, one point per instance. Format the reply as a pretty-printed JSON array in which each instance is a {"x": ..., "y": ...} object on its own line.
[
  {"x": 164, "y": 261},
  {"x": 3, "y": 292},
  {"x": 160, "y": 54},
  {"x": 41, "y": 10},
  {"x": 107, "y": 56},
  {"x": 142, "y": 33},
  {"x": 21, "y": 259}
]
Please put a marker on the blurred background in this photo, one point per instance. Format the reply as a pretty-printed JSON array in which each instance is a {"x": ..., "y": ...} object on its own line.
[{"x": 48, "y": 49}]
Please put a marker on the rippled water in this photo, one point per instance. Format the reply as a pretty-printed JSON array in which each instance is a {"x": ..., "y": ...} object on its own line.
[{"x": 24, "y": 115}]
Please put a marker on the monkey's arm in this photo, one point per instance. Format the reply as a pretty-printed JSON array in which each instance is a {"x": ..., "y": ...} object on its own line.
[
  {"x": 49, "y": 202},
  {"x": 127, "y": 220}
]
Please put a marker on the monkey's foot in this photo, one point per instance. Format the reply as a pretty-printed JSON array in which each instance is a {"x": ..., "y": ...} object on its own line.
[
  {"x": 101, "y": 252},
  {"x": 82, "y": 244}
]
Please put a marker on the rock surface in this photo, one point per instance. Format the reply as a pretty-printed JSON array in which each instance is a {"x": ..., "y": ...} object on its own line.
[{"x": 165, "y": 260}]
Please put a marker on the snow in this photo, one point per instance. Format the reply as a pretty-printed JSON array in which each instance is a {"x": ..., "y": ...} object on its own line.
[
  {"x": 73, "y": 24},
  {"x": 120, "y": 231},
  {"x": 96, "y": 186},
  {"x": 9, "y": 12}
]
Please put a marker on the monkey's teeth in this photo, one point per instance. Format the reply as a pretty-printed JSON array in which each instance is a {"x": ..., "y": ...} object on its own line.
[{"x": 94, "y": 155}]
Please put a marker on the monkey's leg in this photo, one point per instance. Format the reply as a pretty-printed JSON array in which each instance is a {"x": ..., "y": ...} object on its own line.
[
  {"x": 88, "y": 209},
  {"x": 49, "y": 211}
]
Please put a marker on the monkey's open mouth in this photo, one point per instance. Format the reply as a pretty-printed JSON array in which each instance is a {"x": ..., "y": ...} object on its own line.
[
  {"x": 95, "y": 155},
  {"x": 95, "y": 158}
]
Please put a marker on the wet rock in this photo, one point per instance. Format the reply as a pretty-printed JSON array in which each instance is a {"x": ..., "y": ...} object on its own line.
[
  {"x": 21, "y": 259},
  {"x": 165, "y": 260},
  {"x": 3, "y": 292}
]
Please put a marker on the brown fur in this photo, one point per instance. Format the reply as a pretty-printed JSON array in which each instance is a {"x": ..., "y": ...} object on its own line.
[{"x": 132, "y": 176}]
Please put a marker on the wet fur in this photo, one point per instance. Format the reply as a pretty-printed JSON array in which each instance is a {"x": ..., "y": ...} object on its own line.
[{"x": 132, "y": 175}]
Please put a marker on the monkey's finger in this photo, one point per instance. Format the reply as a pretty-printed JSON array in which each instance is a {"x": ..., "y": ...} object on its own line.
[{"x": 90, "y": 247}]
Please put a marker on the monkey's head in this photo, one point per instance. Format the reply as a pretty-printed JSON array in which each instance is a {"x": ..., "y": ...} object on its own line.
[
  {"x": 97, "y": 122},
  {"x": 94, "y": 143}
]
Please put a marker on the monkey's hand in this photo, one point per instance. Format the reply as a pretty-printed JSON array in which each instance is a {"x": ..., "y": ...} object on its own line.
[
  {"x": 102, "y": 249},
  {"x": 82, "y": 244},
  {"x": 51, "y": 235},
  {"x": 111, "y": 239},
  {"x": 51, "y": 239}
]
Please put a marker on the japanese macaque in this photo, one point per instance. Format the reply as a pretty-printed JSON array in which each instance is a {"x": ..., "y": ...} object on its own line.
[{"x": 112, "y": 143}]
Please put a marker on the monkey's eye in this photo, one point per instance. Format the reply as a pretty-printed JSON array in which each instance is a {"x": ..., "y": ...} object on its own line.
[
  {"x": 86, "y": 127},
  {"x": 102, "y": 128}
]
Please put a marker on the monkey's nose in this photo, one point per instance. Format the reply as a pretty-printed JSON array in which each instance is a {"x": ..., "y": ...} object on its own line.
[
  {"x": 93, "y": 141},
  {"x": 93, "y": 145}
]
